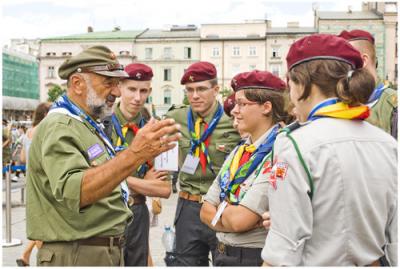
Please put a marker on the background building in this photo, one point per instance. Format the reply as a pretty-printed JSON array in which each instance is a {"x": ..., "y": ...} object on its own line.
[
  {"x": 20, "y": 85},
  {"x": 378, "y": 18},
  {"x": 168, "y": 52}
]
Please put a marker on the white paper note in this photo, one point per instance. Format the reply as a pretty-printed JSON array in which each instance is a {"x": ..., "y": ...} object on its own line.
[{"x": 167, "y": 161}]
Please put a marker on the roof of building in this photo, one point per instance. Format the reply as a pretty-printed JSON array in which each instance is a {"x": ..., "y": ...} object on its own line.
[
  {"x": 127, "y": 35},
  {"x": 354, "y": 15},
  {"x": 178, "y": 33},
  {"x": 291, "y": 30},
  {"x": 19, "y": 54}
]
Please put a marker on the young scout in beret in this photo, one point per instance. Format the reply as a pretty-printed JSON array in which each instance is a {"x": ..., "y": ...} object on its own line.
[
  {"x": 333, "y": 184},
  {"x": 383, "y": 100},
  {"x": 76, "y": 190},
  {"x": 237, "y": 198},
  {"x": 208, "y": 136},
  {"x": 126, "y": 120}
]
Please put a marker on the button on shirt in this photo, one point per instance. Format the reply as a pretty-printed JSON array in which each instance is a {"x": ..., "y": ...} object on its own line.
[{"x": 353, "y": 213}]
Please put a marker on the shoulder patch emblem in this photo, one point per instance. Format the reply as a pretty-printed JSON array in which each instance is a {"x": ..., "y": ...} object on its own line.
[{"x": 278, "y": 171}]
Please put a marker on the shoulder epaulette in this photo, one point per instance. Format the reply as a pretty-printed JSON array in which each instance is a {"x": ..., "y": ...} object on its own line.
[{"x": 291, "y": 127}]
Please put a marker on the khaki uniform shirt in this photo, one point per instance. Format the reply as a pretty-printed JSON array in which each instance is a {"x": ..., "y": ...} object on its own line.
[
  {"x": 353, "y": 213},
  {"x": 63, "y": 148},
  {"x": 223, "y": 139},
  {"x": 255, "y": 200},
  {"x": 381, "y": 111}
]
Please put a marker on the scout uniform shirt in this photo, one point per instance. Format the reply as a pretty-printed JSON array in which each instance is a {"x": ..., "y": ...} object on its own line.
[
  {"x": 255, "y": 199},
  {"x": 222, "y": 140},
  {"x": 63, "y": 148},
  {"x": 381, "y": 110},
  {"x": 353, "y": 212}
]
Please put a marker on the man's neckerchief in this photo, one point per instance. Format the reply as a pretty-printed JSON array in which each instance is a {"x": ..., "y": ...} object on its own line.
[
  {"x": 196, "y": 141},
  {"x": 65, "y": 103},
  {"x": 376, "y": 94}
]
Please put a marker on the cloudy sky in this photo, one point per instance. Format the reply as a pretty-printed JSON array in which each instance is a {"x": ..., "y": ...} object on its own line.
[{"x": 46, "y": 18}]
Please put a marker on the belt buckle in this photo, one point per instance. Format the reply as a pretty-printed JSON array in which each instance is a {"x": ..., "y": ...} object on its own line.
[
  {"x": 221, "y": 247},
  {"x": 131, "y": 201}
]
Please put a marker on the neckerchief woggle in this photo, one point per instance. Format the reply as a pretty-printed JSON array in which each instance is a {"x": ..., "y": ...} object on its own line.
[
  {"x": 334, "y": 109},
  {"x": 198, "y": 142},
  {"x": 376, "y": 94},
  {"x": 142, "y": 169},
  {"x": 231, "y": 189},
  {"x": 64, "y": 102}
]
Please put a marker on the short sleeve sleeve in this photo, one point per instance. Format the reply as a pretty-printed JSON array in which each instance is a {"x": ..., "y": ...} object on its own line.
[{"x": 290, "y": 208}]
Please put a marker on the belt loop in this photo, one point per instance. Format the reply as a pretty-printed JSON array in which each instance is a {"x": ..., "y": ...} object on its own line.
[{"x": 111, "y": 242}]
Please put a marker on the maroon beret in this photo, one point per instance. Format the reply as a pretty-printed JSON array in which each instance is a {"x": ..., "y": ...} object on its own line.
[
  {"x": 323, "y": 46},
  {"x": 138, "y": 71},
  {"x": 257, "y": 80},
  {"x": 199, "y": 71},
  {"x": 357, "y": 35},
  {"x": 229, "y": 104}
]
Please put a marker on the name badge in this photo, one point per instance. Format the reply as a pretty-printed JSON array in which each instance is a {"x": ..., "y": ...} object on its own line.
[
  {"x": 190, "y": 164},
  {"x": 94, "y": 151},
  {"x": 217, "y": 216}
]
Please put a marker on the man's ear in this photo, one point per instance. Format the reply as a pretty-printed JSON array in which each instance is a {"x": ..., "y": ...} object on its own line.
[
  {"x": 216, "y": 90},
  {"x": 366, "y": 59},
  {"x": 77, "y": 84}
]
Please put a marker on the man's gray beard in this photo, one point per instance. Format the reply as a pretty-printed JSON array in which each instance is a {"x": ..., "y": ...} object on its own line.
[{"x": 97, "y": 106}]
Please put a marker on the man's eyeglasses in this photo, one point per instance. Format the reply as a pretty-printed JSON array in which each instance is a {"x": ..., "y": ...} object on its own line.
[{"x": 199, "y": 90}]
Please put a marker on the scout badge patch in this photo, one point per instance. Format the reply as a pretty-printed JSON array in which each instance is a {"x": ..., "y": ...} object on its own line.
[{"x": 278, "y": 171}]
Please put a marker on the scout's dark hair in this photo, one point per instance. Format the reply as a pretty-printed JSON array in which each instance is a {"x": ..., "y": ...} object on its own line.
[
  {"x": 278, "y": 100},
  {"x": 332, "y": 77},
  {"x": 41, "y": 111}
]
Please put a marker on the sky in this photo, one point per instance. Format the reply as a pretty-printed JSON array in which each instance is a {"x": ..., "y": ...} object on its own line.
[{"x": 50, "y": 18}]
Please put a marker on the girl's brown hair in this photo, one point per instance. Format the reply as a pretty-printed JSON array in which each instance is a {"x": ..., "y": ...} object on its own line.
[{"x": 41, "y": 111}]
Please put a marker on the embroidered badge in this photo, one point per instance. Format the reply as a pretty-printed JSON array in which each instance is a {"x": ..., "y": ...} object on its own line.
[
  {"x": 94, "y": 151},
  {"x": 278, "y": 171},
  {"x": 191, "y": 78},
  {"x": 221, "y": 147},
  {"x": 112, "y": 56},
  {"x": 138, "y": 75}
]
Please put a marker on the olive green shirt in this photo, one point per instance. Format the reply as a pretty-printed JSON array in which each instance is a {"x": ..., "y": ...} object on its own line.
[
  {"x": 381, "y": 111},
  {"x": 222, "y": 140},
  {"x": 62, "y": 149}
]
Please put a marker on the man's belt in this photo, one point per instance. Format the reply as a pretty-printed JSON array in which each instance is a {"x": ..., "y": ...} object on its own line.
[
  {"x": 191, "y": 197},
  {"x": 103, "y": 241},
  {"x": 136, "y": 199},
  {"x": 248, "y": 253}
]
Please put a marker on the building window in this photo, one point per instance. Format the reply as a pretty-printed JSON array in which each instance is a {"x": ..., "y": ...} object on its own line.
[
  {"x": 395, "y": 72},
  {"x": 148, "y": 53},
  {"x": 50, "y": 54},
  {"x": 215, "y": 52},
  {"x": 236, "y": 51},
  {"x": 50, "y": 72},
  {"x": 167, "y": 53},
  {"x": 235, "y": 69},
  {"x": 167, "y": 74},
  {"x": 252, "y": 67},
  {"x": 275, "y": 69},
  {"x": 252, "y": 51},
  {"x": 275, "y": 52},
  {"x": 149, "y": 99},
  {"x": 167, "y": 97},
  {"x": 66, "y": 53},
  {"x": 188, "y": 53}
]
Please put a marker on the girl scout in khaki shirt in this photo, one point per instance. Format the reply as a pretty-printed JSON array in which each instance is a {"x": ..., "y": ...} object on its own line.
[
  {"x": 333, "y": 191},
  {"x": 238, "y": 196}
]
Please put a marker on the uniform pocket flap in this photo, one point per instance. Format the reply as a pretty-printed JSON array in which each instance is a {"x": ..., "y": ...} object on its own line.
[{"x": 45, "y": 255}]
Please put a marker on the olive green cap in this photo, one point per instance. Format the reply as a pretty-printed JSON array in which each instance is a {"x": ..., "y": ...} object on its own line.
[{"x": 98, "y": 59}]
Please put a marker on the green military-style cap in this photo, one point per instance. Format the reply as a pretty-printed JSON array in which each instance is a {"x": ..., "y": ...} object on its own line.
[{"x": 98, "y": 59}]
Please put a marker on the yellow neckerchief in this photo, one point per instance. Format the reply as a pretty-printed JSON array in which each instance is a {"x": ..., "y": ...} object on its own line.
[
  {"x": 197, "y": 132},
  {"x": 341, "y": 110},
  {"x": 124, "y": 131},
  {"x": 238, "y": 155}
]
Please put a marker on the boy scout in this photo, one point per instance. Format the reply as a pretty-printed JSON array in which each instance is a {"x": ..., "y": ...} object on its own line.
[
  {"x": 127, "y": 120},
  {"x": 383, "y": 100},
  {"x": 208, "y": 136},
  {"x": 76, "y": 192}
]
